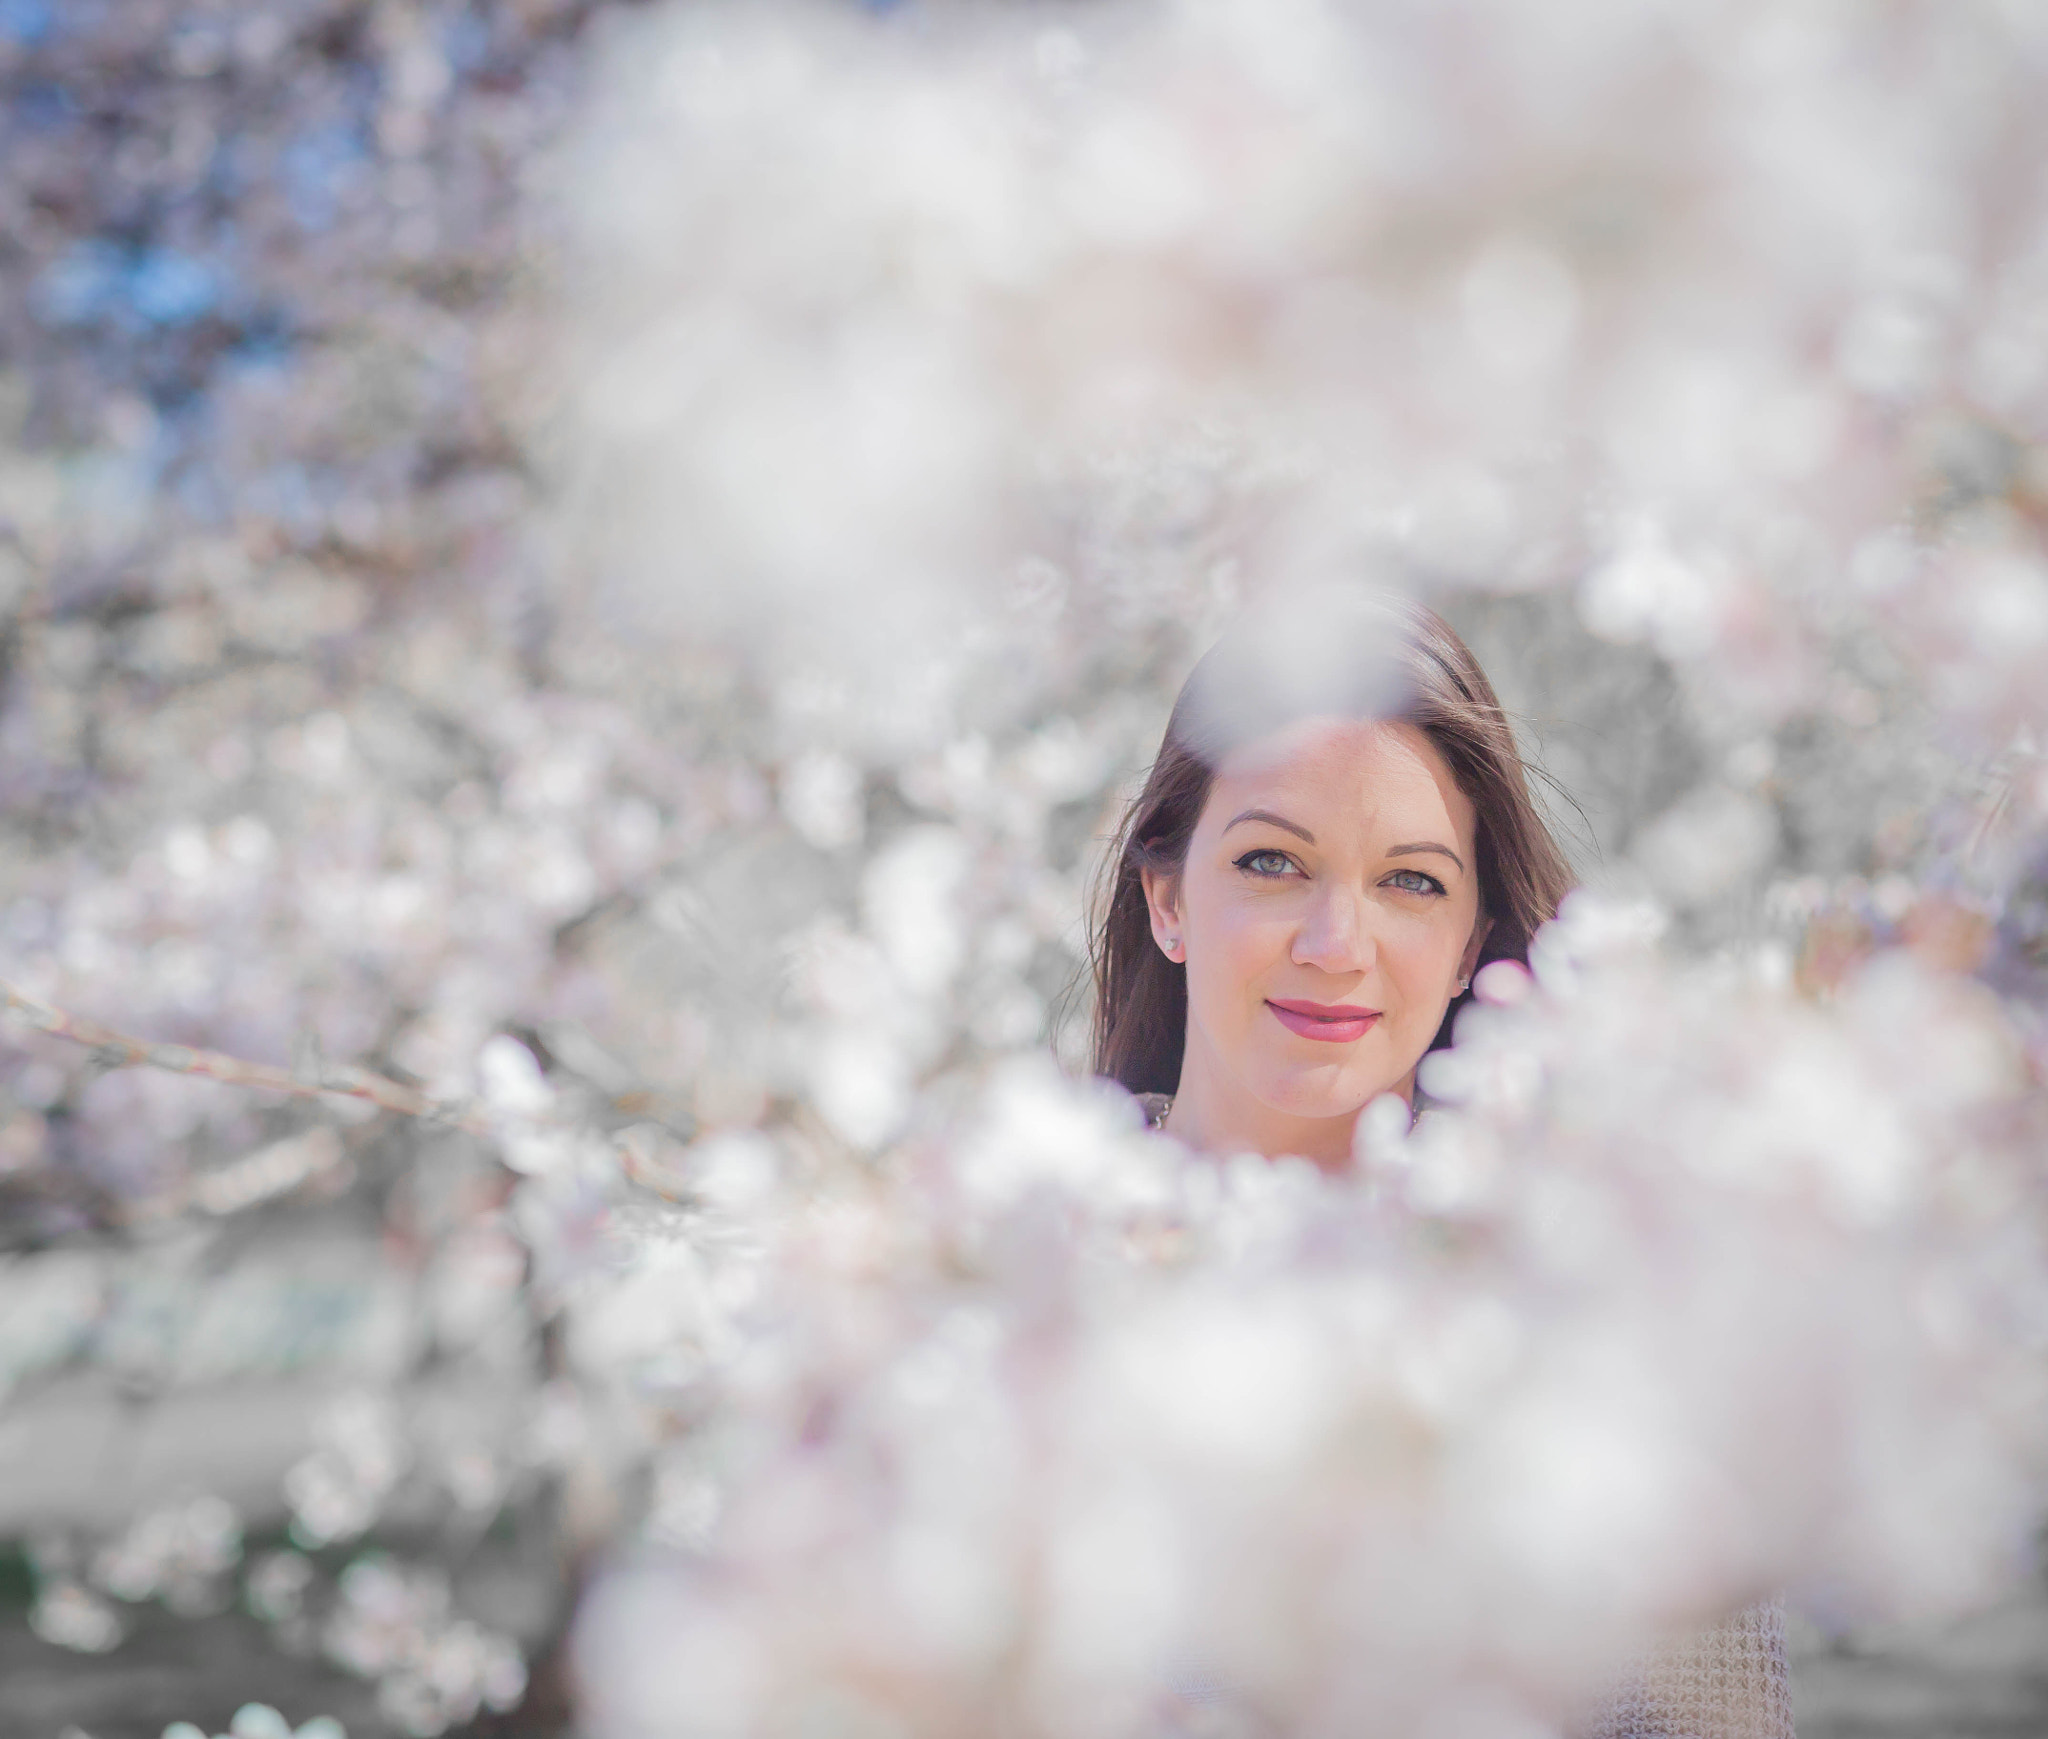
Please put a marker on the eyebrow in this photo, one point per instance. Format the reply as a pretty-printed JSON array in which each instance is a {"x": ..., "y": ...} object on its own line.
[
  {"x": 1279, "y": 821},
  {"x": 1425, "y": 845}
]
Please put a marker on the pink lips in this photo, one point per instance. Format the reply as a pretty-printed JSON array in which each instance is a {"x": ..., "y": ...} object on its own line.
[{"x": 1335, "y": 1023}]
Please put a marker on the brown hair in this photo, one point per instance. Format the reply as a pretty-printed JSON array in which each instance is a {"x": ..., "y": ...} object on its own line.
[{"x": 1353, "y": 656}]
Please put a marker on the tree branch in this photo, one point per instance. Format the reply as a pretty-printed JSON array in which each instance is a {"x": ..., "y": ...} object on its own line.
[{"x": 125, "y": 1049}]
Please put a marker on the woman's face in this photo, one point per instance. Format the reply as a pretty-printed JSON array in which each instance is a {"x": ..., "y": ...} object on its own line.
[{"x": 1327, "y": 911}]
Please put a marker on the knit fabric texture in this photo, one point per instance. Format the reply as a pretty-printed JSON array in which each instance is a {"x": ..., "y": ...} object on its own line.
[{"x": 1729, "y": 1682}]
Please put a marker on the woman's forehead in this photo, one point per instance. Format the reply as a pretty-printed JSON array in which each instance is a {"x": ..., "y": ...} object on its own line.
[{"x": 1345, "y": 769}]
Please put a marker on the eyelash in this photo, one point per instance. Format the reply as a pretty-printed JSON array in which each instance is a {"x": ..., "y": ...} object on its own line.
[
  {"x": 1251, "y": 857},
  {"x": 1433, "y": 886}
]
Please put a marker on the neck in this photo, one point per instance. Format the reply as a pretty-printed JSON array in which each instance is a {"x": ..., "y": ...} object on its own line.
[{"x": 1214, "y": 1115}]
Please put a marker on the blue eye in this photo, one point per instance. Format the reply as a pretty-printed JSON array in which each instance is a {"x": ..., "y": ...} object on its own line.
[
  {"x": 1270, "y": 864},
  {"x": 1415, "y": 881}
]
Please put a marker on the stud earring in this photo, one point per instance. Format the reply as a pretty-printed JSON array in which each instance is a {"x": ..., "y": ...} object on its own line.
[{"x": 1464, "y": 984}]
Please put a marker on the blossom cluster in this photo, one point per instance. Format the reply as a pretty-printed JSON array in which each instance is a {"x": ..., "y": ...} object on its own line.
[{"x": 614, "y": 567}]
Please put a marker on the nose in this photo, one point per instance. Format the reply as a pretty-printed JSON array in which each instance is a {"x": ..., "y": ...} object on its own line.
[{"x": 1336, "y": 932}]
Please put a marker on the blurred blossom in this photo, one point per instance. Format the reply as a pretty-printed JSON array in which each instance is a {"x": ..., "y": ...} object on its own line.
[
  {"x": 434, "y": 1671},
  {"x": 337, "y": 1491},
  {"x": 821, "y": 796},
  {"x": 616, "y": 564},
  {"x": 180, "y": 1555},
  {"x": 74, "y": 1617},
  {"x": 277, "y": 1584},
  {"x": 261, "y": 1721},
  {"x": 1713, "y": 841},
  {"x": 1589, "y": 1413}
]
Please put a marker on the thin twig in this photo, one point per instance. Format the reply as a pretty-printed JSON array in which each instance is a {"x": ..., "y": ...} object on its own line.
[{"x": 124, "y": 1049}]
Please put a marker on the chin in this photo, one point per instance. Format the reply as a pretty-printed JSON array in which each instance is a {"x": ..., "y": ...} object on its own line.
[
  {"x": 1326, "y": 1091},
  {"x": 1296, "y": 1086}
]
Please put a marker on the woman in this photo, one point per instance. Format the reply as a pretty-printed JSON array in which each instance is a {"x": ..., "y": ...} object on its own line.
[{"x": 1336, "y": 837}]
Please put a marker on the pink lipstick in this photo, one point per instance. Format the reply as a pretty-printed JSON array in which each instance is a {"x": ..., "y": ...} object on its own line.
[{"x": 1335, "y": 1023}]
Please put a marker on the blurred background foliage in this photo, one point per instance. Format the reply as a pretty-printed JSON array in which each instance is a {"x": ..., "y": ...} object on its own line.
[{"x": 319, "y": 747}]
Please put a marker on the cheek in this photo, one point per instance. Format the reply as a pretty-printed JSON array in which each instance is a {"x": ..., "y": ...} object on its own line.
[
  {"x": 1232, "y": 947},
  {"x": 1430, "y": 951}
]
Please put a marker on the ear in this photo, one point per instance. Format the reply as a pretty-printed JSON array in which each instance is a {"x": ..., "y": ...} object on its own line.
[
  {"x": 1162, "y": 901},
  {"x": 1470, "y": 964}
]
